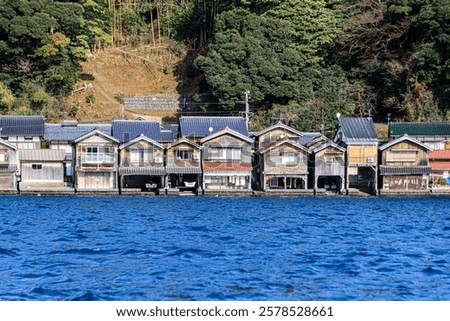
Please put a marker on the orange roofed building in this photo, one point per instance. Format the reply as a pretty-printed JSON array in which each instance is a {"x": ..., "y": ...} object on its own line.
[{"x": 440, "y": 165}]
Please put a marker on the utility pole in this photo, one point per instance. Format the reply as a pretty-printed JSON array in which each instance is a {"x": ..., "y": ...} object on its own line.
[{"x": 247, "y": 107}]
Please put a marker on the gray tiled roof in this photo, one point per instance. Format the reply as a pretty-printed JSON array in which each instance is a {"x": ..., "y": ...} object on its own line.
[
  {"x": 278, "y": 126},
  {"x": 61, "y": 132},
  {"x": 183, "y": 170},
  {"x": 42, "y": 155},
  {"x": 169, "y": 133},
  {"x": 402, "y": 139},
  {"x": 142, "y": 171},
  {"x": 358, "y": 129},
  {"x": 126, "y": 130},
  {"x": 199, "y": 126},
  {"x": 308, "y": 137},
  {"x": 22, "y": 125},
  {"x": 405, "y": 170}
]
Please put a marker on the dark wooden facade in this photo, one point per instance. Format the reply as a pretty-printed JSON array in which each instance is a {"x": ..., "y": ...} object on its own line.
[
  {"x": 283, "y": 165},
  {"x": 327, "y": 167},
  {"x": 404, "y": 165},
  {"x": 183, "y": 165},
  {"x": 141, "y": 164}
]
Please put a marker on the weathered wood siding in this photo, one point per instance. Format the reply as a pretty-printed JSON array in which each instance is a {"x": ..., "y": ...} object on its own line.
[
  {"x": 409, "y": 182},
  {"x": 227, "y": 141},
  {"x": 173, "y": 161},
  {"x": 8, "y": 167},
  {"x": 22, "y": 142},
  {"x": 273, "y": 135},
  {"x": 105, "y": 146},
  {"x": 7, "y": 156},
  {"x": 329, "y": 162},
  {"x": 273, "y": 160},
  {"x": 150, "y": 153},
  {"x": 48, "y": 172},
  {"x": 405, "y": 154},
  {"x": 96, "y": 180},
  {"x": 229, "y": 178},
  {"x": 361, "y": 154},
  {"x": 7, "y": 180}
]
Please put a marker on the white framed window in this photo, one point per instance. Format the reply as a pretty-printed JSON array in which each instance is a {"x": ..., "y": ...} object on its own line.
[
  {"x": 92, "y": 154},
  {"x": 36, "y": 166},
  {"x": 236, "y": 153},
  {"x": 216, "y": 153},
  {"x": 436, "y": 146},
  {"x": 183, "y": 154},
  {"x": 288, "y": 159},
  {"x": 139, "y": 155},
  {"x": 134, "y": 156}
]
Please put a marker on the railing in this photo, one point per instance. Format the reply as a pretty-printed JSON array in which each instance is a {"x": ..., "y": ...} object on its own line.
[
  {"x": 149, "y": 163},
  {"x": 8, "y": 168},
  {"x": 98, "y": 159}
]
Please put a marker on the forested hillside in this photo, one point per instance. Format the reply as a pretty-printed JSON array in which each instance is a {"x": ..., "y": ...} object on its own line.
[{"x": 303, "y": 61}]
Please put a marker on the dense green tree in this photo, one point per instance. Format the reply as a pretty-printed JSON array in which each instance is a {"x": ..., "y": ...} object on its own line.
[
  {"x": 278, "y": 51},
  {"x": 41, "y": 45},
  {"x": 266, "y": 52},
  {"x": 6, "y": 97},
  {"x": 400, "y": 50}
]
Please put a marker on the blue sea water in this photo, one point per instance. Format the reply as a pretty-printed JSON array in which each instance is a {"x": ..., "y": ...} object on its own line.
[{"x": 220, "y": 248}]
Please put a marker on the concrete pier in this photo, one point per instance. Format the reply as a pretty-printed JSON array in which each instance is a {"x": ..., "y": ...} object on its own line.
[
  {"x": 48, "y": 191},
  {"x": 89, "y": 191},
  {"x": 222, "y": 192},
  {"x": 424, "y": 192},
  {"x": 289, "y": 192}
]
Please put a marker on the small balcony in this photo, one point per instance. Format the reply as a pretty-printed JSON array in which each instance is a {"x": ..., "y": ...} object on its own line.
[
  {"x": 97, "y": 160},
  {"x": 7, "y": 168}
]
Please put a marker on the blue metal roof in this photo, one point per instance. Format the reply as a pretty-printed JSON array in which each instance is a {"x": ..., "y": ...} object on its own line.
[
  {"x": 63, "y": 132},
  {"x": 358, "y": 129},
  {"x": 22, "y": 125},
  {"x": 308, "y": 137},
  {"x": 126, "y": 130},
  {"x": 198, "y": 127},
  {"x": 169, "y": 133}
]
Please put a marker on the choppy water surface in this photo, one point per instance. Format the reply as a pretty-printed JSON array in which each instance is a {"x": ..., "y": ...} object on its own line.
[{"x": 214, "y": 248}]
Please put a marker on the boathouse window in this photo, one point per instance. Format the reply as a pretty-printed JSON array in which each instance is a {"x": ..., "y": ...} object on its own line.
[
  {"x": 139, "y": 155},
  {"x": 331, "y": 158},
  {"x": 216, "y": 180},
  {"x": 217, "y": 153},
  {"x": 91, "y": 154},
  {"x": 183, "y": 154},
  {"x": 235, "y": 153},
  {"x": 225, "y": 153},
  {"x": 36, "y": 166},
  {"x": 274, "y": 182},
  {"x": 288, "y": 158}
]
